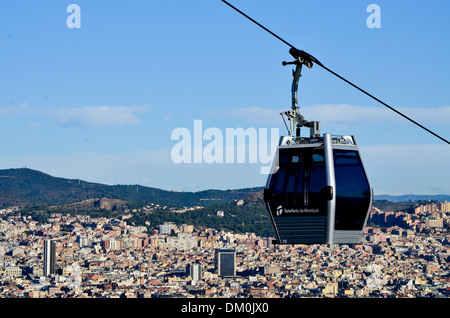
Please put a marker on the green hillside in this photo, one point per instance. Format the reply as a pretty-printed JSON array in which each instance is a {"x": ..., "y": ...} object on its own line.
[
  {"x": 27, "y": 187},
  {"x": 42, "y": 194}
]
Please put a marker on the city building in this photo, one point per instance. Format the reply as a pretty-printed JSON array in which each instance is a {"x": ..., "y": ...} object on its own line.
[
  {"x": 397, "y": 259},
  {"x": 83, "y": 240},
  {"x": 49, "y": 257},
  {"x": 195, "y": 271},
  {"x": 166, "y": 228},
  {"x": 225, "y": 262}
]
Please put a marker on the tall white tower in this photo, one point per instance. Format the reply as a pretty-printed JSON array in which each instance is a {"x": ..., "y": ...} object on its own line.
[{"x": 49, "y": 257}]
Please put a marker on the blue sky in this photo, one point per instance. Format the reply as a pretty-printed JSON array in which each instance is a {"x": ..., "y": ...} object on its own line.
[{"x": 100, "y": 102}]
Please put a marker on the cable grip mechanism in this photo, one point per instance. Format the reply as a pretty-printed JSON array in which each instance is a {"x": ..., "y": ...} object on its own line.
[{"x": 295, "y": 118}]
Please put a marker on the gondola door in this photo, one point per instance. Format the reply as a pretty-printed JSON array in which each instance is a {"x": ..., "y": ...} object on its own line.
[{"x": 298, "y": 194}]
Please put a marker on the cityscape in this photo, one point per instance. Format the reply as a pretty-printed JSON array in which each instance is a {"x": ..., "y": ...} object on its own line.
[
  {"x": 151, "y": 128},
  {"x": 403, "y": 255}
]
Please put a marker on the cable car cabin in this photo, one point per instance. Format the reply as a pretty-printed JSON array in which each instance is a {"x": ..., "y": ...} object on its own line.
[{"x": 318, "y": 191}]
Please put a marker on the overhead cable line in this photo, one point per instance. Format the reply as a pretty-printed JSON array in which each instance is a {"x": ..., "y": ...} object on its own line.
[{"x": 299, "y": 53}]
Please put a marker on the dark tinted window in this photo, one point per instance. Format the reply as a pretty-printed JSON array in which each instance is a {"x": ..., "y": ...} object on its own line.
[
  {"x": 227, "y": 264},
  {"x": 352, "y": 190},
  {"x": 298, "y": 182}
]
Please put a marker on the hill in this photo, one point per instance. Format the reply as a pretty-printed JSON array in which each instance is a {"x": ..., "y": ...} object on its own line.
[
  {"x": 27, "y": 187},
  {"x": 38, "y": 191},
  {"x": 42, "y": 192},
  {"x": 413, "y": 197}
]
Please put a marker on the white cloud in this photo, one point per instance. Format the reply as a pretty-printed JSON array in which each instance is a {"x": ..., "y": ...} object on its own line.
[
  {"x": 82, "y": 117},
  {"x": 15, "y": 110},
  {"x": 344, "y": 115},
  {"x": 351, "y": 114},
  {"x": 97, "y": 116}
]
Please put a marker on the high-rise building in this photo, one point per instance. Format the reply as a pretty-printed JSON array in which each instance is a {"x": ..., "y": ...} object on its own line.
[
  {"x": 444, "y": 206},
  {"x": 166, "y": 228},
  {"x": 112, "y": 244},
  {"x": 83, "y": 240},
  {"x": 225, "y": 260},
  {"x": 49, "y": 257},
  {"x": 186, "y": 228},
  {"x": 195, "y": 271}
]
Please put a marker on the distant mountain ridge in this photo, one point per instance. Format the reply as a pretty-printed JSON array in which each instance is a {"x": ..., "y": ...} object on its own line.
[
  {"x": 25, "y": 187},
  {"x": 413, "y": 197}
]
